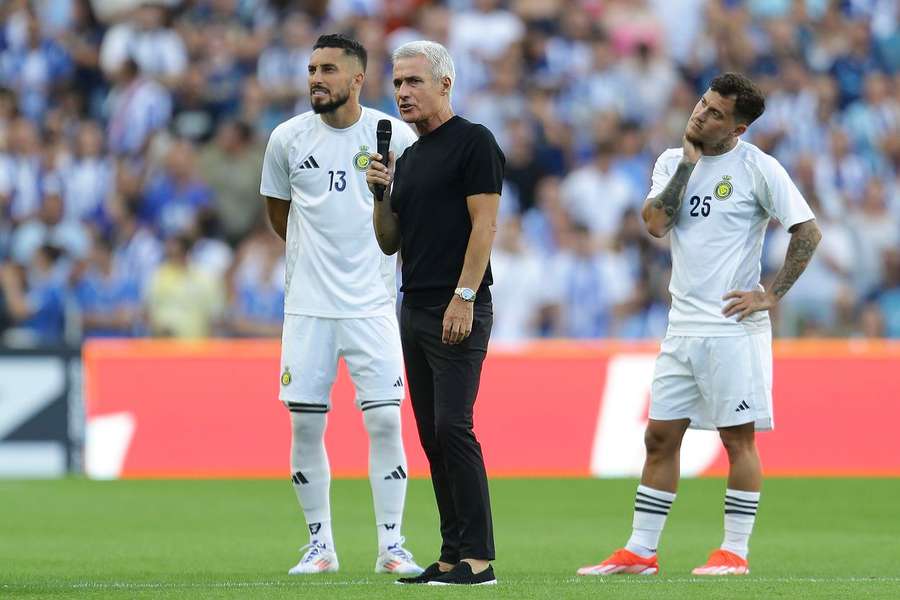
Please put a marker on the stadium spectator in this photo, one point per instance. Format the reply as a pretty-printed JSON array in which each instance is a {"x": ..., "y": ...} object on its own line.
[
  {"x": 590, "y": 285},
  {"x": 850, "y": 66},
  {"x": 597, "y": 195},
  {"x": 137, "y": 107},
  {"x": 478, "y": 36},
  {"x": 633, "y": 161},
  {"x": 145, "y": 38},
  {"x": 136, "y": 249},
  {"x": 520, "y": 294},
  {"x": 875, "y": 232},
  {"x": 209, "y": 252},
  {"x": 886, "y": 302},
  {"x": 282, "y": 67},
  {"x": 231, "y": 166},
  {"x": 82, "y": 39},
  {"x": 546, "y": 225},
  {"x": 223, "y": 70},
  {"x": 256, "y": 286},
  {"x": 35, "y": 69},
  {"x": 840, "y": 174},
  {"x": 22, "y": 171},
  {"x": 49, "y": 227},
  {"x": 34, "y": 298},
  {"x": 88, "y": 179},
  {"x": 174, "y": 194},
  {"x": 501, "y": 100},
  {"x": 814, "y": 304},
  {"x": 873, "y": 118},
  {"x": 108, "y": 298},
  {"x": 603, "y": 87},
  {"x": 524, "y": 169},
  {"x": 183, "y": 301},
  {"x": 193, "y": 115},
  {"x": 649, "y": 77}
]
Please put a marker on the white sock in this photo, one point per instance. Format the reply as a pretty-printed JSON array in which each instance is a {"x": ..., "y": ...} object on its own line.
[
  {"x": 387, "y": 471},
  {"x": 651, "y": 507},
  {"x": 311, "y": 474},
  {"x": 740, "y": 514}
]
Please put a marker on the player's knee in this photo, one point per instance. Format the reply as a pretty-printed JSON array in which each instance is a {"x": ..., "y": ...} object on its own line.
[
  {"x": 308, "y": 426},
  {"x": 382, "y": 422},
  {"x": 738, "y": 443},
  {"x": 307, "y": 441},
  {"x": 660, "y": 443}
]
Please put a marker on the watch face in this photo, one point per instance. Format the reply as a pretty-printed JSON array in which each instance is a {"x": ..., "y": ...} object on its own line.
[{"x": 467, "y": 294}]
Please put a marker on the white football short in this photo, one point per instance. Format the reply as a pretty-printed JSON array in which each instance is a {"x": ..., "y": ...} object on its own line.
[
  {"x": 714, "y": 381},
  {"x": 311, "y": 347}
]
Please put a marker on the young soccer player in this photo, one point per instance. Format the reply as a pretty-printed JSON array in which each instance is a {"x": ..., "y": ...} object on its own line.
[
  {"x": 715, "y": 195},
  {"x": 340, "y": 297}
]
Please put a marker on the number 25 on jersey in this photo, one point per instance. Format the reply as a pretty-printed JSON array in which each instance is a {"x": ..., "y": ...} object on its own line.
[{"x": 700, "y": 207}]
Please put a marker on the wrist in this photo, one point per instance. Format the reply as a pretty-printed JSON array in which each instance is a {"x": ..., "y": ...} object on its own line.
[{"x": 465, "y": 294}]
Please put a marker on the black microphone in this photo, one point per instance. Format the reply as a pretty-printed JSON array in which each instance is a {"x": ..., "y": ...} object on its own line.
[{"x": 383, "y": 135}]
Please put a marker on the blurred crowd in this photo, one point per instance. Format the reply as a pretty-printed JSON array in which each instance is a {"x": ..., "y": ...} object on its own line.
[{"x": 132, "y": 134}]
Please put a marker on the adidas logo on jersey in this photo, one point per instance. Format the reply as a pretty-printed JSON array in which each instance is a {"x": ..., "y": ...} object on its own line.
[
  {"x": 309, "y": 163},
  {"x": 398, "y": 383},
  {"x": 397, "y": 473},
  {"x": 742, "y": 406}
]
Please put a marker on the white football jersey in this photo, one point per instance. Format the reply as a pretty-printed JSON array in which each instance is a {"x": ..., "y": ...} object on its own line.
[
  {"x": 718, "y": 237},
  {"x": 334, "y": 267}
]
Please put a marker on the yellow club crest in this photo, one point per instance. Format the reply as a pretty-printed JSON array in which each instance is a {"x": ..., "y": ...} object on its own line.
[
  {"x": 286, "y": 377},
  {"x": 362, "y": 159},
  {"x": 724, "y": 188}
]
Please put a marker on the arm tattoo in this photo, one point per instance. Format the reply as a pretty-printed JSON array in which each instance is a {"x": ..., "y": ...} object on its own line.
[
  {"x": 669, "y": 200},
  {"x": 803, "y": 244}
]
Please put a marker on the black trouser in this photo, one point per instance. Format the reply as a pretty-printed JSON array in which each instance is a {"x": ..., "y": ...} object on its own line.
[{"x": 443, "y": 382}]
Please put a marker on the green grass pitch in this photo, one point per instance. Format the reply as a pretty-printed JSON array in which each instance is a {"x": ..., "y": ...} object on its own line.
[{"x": 815, "y": 538}]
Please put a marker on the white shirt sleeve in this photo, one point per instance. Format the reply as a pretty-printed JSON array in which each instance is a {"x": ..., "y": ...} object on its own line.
[
  {"x": 781, "y": 198},
  {"x": 661, "y": 174},
  {"x": 403, "y": 138},
  {"x": 276, "y": 177}
]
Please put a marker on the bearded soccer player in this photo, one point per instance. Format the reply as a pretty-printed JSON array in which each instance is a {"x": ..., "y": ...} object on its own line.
[
  {"x": 715, "y": 195},
  {"x": 340, "y": 297}
]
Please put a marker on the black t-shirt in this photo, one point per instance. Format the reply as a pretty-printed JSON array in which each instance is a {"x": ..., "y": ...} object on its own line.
[{"x": 431, "y": 182}]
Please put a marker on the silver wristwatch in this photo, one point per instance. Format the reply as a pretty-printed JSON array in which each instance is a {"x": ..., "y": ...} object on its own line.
[{"x": 465, "y": 294}]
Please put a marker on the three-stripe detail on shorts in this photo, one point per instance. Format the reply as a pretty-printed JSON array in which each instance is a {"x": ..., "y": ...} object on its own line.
[
  {"x": 369, "y": 404},
  {"x": 303, "y": 407}
]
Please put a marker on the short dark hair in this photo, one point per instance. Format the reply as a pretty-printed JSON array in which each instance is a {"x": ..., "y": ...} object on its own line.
[
  {"x": 350, "y": 46},
  {"x": 749, "y": 102}
]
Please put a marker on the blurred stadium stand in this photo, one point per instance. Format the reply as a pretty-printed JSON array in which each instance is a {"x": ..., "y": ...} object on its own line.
[{"x": 131, "y": 136}]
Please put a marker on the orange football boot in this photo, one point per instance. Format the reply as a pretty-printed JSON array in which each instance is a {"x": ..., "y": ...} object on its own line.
[
  {"x": 723, "y": 562},
  {"x": 623, "y": 562}
]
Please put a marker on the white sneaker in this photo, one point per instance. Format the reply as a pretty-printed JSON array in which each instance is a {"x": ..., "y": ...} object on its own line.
[
  {"x": 397, "y": 560},
  {"x": 317, "y": 559}
]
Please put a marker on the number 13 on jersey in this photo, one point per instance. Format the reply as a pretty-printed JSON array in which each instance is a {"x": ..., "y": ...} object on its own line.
[{"x": 337, "y": 181}]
